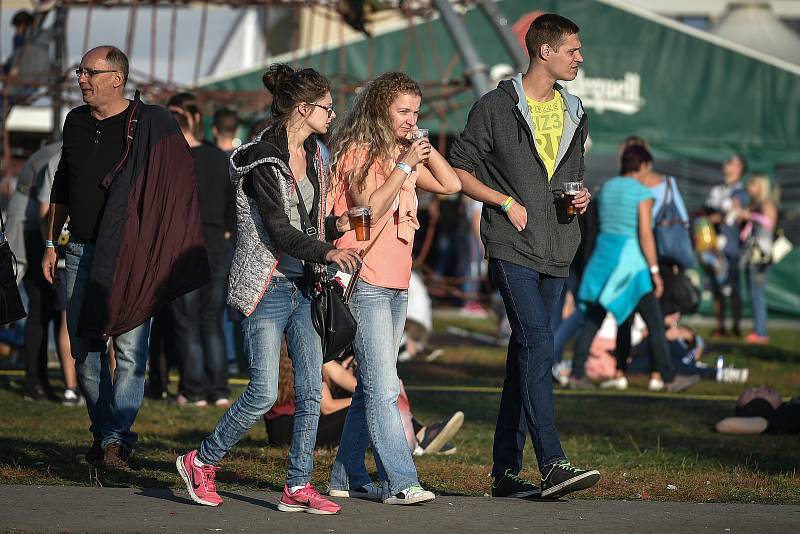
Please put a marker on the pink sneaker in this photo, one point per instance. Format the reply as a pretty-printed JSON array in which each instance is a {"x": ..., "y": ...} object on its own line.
[
  {"x": 199, "y": 480},
  {"x": 307, "y": 499}
]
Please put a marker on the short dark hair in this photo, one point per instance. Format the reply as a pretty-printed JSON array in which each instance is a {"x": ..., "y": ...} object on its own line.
[
  {"x": 181, "y": 119},
  {"x": 22, "y": 18},
  {"x": 633, "y": 157},
  {"x": 186, "y": 104},
  {"x": 550, "y": 29},
  {"x": 226, "y": 121},
  {"x": 186, "y": 101},
  {"x": 117, "y": 59}
]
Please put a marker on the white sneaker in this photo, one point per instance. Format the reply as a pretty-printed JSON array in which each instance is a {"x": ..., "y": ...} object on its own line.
[
  {"x": 620, "y": 383},
  {"x": 370, "y": 492},
  {"x": 656, "y": 384},
  {"x": 731, "y": 375},
  {"x": 411, "y": 495},
  {"x": 561, "y": 372},
  {"x": 72, "y": 398}
]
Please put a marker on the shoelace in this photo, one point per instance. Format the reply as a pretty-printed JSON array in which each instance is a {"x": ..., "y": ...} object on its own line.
[
  {"x": 308, "y": 491},
  {"x": 414, "y": 489},
  {"x": 517, "y": 479},
  {"x": 567, "y": 466},
  {"x": 209, "y": 472}
]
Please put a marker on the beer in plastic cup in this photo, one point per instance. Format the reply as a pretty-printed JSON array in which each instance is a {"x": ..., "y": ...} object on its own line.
[
  {"x": 570, "y": 190},
  {"x": 360, "y": 221},
  {"x": 420, "y": 133}
]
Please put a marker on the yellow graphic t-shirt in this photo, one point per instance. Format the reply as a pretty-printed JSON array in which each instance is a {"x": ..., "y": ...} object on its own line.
[{"x": 548, "y": 121}]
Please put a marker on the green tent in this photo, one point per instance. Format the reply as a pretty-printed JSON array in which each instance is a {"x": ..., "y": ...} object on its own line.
[{"x": 695, "y": 97}]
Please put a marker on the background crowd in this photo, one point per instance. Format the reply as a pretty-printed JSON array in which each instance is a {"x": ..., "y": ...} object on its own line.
[{"x": 729, "y": 239}]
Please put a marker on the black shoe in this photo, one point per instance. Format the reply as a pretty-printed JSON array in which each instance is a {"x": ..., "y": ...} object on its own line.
[
  {"x": 510, "y": 485},
  {"x": 94, "y": 456},
  {"x": 447, "y": 449},
  {"x": 563, "y": 478},
  {"x": 438, "y": 434}
]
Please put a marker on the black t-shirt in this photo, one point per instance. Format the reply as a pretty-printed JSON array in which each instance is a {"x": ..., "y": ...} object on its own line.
[
  {"x": 783, "y": 420},
  {"x": 91, "y": 149},
  {"x": 216, "y": 196}
]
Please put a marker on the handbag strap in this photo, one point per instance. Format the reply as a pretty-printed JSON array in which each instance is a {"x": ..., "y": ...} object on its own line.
[
  {"x": 667, "y": 200},
  {"x": 305, "y": 219}
]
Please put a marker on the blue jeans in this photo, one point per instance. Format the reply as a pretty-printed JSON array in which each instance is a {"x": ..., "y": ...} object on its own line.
[
  {"x": 283, "y": 309},
  {"x": 374, "y": 418},
  {"x": 757, "y": 282},
  {"x": 526, "y": 404},
  {"x": 566, "y": 330},
  {"x": 199, "y": 340},
  {"x": 112, "y": 407}
]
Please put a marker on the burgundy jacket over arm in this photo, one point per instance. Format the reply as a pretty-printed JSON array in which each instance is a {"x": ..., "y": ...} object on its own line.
[{"x": 149, "y": 247}]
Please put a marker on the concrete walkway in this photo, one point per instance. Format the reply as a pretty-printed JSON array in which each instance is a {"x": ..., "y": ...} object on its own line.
[{"x": 125, "y": 510}]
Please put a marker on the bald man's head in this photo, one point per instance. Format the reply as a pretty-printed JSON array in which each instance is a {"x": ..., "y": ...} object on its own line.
[{"x": 114, "y": 58}]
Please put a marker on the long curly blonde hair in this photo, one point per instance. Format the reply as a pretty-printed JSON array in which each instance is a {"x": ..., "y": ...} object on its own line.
[{"x": 367, "y": 124}]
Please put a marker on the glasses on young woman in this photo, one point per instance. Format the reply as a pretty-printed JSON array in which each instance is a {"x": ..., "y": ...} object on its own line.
[{"x": 328, "y": 109}]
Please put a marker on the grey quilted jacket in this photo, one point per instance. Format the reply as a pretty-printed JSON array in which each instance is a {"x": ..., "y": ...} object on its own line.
[{"x": 263, "y": 183}]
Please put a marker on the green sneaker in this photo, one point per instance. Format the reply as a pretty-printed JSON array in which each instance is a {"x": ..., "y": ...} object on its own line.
[
  {"x": 510, "y": 485},
  {"x": 564, "y": 478}
]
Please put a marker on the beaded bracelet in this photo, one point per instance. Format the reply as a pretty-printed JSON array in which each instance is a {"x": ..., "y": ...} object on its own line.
[{"x": 507, "y": 203}]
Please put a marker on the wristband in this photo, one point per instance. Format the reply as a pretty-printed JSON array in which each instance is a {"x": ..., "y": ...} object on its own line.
[
  {"x": 405, "y": 167},
  {"x": 654, "y": 269},
  {"x": 51, "y": 244},
  {"x": 507, "y": 203}
]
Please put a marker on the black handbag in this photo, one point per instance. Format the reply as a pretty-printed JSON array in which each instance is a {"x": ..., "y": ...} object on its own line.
[
  {"x": 330, "y": 315},
  {"x": 11, "y": 308},
  {"x": 673, "y": 242}
]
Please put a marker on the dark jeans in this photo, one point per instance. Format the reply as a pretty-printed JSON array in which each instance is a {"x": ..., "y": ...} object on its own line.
[
  {"x": 329, "y": 431},
  {"x": 650, "y": 311},
  {"x": 161, "y": 353},
  {"x": 40, "y": 312},
  {"x": 642, "y": 361},
  {"x": 526, "y": 405},
  {"x": 199, "y": 340}
]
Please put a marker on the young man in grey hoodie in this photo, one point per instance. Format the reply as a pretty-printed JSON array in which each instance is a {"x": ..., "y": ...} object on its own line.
[{"x": 522, "y": 142}]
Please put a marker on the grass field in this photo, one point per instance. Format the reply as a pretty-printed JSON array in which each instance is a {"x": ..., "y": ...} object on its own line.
[{"x": 647, "y": 446}]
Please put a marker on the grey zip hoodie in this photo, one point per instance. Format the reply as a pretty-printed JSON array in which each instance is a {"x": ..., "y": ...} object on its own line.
[{"x": 498, "y": 147}]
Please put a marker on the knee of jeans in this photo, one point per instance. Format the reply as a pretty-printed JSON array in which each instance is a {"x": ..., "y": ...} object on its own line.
[
  {"x": 308, "y": 392},
  {"x": 386, "y": 392},
  {"x": 258, "y": 399}
]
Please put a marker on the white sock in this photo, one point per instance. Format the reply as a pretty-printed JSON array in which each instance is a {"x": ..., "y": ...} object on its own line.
[
  {"x": 293, "y": 489},
  {"x": 197, "y": 463}
]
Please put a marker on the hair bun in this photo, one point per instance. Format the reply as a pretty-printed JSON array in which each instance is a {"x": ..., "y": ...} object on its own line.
[{"x": 276, "y": 74}]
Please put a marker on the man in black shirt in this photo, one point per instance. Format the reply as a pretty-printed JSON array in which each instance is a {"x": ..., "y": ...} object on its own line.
[
  {"x": 197, "y": 315},
  {"x": 94, "y": 142}
]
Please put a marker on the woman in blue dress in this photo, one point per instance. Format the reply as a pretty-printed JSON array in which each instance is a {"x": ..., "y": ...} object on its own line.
[{"x": 622, "y": 276}]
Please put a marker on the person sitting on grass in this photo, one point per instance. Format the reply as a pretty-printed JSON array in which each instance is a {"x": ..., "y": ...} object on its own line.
[
  {"x": 338, "y": 385},
  {"x": 762, "y": 410},
  {"x": 685, "y": 351}
]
